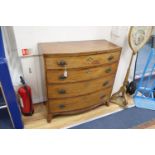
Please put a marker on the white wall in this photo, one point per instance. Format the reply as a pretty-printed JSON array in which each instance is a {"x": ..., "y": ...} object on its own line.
[
  {"x": 119, "y": 36},
  {"x": 28, "y": 37}
]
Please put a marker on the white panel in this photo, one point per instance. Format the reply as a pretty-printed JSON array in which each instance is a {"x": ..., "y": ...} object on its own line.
[
  {"x": 31, "y": 77},
  {"x": 12, "y": 54}
]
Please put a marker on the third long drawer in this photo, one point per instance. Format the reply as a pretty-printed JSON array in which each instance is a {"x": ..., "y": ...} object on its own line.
[{"x": 79, "y": 88}]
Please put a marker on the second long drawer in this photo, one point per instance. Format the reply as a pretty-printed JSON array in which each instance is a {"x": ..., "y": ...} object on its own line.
[
  {"x": 57, "y": 76},
  {"x": 79, "y": 88}
]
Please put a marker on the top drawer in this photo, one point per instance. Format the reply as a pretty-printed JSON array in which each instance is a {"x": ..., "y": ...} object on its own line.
[{"x": 81, "y": 61}]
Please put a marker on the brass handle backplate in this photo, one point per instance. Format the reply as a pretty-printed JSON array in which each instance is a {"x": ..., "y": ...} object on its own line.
[
  {"x": 108, "y": 70},
  {"x": 62, "y": 77},
  {"x": 111, "y": 58},
  {"x": 62, "y": 63},
  {"x": 62, "y": 91},
  {"x": 103, "y": 96},
  {"x": 62, "y": 106},
  {"x": 105, "y": 83}
]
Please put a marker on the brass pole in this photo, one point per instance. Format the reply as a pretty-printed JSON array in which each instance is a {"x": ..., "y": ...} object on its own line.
[{"x": 120, "y": 94}]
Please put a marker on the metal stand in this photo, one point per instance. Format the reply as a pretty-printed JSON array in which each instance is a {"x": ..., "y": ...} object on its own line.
[
  {"x": 137, "y": 37},
  {"x": 120, "y": 97}
]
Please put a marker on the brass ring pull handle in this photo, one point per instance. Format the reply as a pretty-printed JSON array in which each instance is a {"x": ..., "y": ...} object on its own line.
[
  {"x": 103, "y": 96},
  {"x": 62, "y": 63},
  {"x": 105, "y": 83},
  {"x": 62, "y": 77},
  {"x": 62, "y": 91},
  {"x": 108, "y": 70},
  {"x": 62, "y": 106},
  {"x": 111, "y": 58}
]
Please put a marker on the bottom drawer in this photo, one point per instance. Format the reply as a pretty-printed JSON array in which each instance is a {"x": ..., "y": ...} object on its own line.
[{"x": 77, "y": 103}]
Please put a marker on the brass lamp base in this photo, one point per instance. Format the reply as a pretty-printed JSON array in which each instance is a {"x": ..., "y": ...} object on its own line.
[
  {"x": 119, "y": 100},
  {"x": 120, "y": 97}
]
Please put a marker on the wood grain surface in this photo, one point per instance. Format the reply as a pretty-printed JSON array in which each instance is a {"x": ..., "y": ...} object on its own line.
[
  {"x": 91, "y": 68},
  {"x": 79, "y": 88},
  {"x": 81, "y": 61},
  {"x": 78, "y": 75},
  {"x": 61, "y": 105},
  {"x": 77, "y": 47}
]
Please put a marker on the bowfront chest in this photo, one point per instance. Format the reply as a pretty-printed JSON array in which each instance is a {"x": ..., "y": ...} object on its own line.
[{"x": 79, "y": 75}]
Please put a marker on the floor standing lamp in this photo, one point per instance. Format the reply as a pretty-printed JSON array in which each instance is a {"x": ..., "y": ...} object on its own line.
[{"x": 137, "y": 37}]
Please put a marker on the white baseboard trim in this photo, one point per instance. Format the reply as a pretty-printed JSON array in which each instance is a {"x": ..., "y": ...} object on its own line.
[{"x": 38, "y": 100}]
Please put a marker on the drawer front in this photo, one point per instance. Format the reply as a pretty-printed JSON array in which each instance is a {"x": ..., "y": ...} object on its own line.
[
  {"x": 57, "y": 76},
  {"x": 79, "y": 88},
  {"x": 77, "y": 103},
  {"x": 81, "y": 61}
]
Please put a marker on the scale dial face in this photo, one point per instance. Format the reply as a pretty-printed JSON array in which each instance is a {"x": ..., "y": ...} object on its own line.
[{"x": 138, "y": 36}]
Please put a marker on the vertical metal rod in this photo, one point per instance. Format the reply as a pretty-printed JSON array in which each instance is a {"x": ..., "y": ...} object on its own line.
[
  {"x": 145, "y": 69},
  {"x": 148, "y": 80},
  {"x": 153, "y": 85},
  {"x": 150, "y": 76}
]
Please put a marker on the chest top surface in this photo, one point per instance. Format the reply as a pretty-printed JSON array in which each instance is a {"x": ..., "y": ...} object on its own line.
[{"x": 74, "y": 47}]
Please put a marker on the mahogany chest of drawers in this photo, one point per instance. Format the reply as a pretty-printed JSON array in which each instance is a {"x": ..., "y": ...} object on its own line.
[{"x": 79, "y": 75}]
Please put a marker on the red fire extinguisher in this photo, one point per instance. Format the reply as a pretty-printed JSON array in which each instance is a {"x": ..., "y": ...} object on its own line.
[{"x": 26, "y": 99}]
